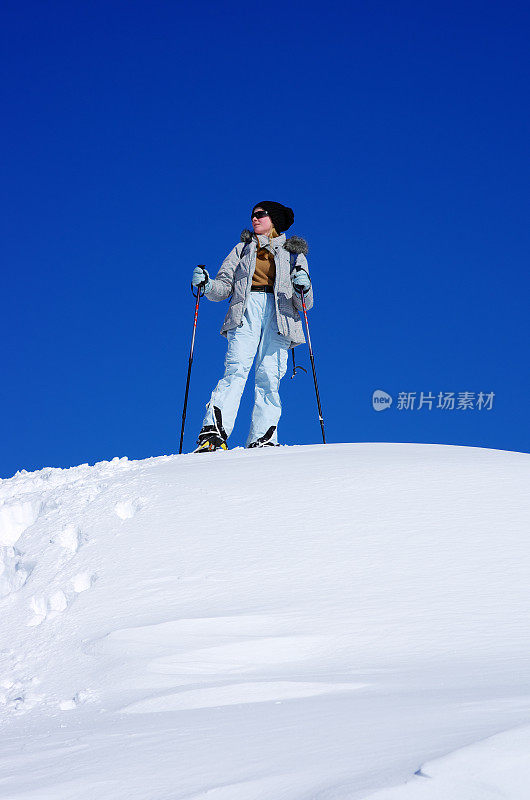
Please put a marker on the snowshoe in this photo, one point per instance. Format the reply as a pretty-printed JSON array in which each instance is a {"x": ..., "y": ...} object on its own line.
[
  {"x": 212, "y": 437},
  {"x": 209, "y": 445},
  {"x": 265, "y": 440}
]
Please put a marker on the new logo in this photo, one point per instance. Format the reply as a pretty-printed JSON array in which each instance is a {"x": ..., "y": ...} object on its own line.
[{"x": 381, "y": 400}]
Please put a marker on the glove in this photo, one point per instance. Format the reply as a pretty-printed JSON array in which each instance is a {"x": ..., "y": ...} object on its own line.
[
  {"x": 200, "y": 277},
  {"x": 301, "y": 281}
]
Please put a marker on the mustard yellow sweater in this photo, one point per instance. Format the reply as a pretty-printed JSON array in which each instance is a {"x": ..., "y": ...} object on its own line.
[{"x": 265, "y": 272}]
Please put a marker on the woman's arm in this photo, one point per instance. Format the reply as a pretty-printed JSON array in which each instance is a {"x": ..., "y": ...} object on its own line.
[{"x": 222, "y": 285}]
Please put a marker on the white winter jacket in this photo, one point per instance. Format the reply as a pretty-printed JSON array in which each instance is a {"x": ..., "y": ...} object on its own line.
[{"x": 234, "y": 280}]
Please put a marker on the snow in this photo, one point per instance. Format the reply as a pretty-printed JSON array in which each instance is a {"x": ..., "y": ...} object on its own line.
[
  {"x": 496, "y": 767},
  {"x": 299, "y": 622}
]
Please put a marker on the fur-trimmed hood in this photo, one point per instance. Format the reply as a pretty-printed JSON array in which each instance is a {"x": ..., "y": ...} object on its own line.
[{"x": 295, "y": 244}]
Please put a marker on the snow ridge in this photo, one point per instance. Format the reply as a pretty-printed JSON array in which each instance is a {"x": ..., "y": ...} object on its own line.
[{"x": 307, "y": 622}]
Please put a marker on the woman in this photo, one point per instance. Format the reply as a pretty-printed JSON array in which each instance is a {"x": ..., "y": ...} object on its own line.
[{"x": 264, "y": 276}]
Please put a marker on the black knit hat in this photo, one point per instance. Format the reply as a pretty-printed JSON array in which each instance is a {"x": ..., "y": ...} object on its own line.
[{"x": 282, "y": 216}]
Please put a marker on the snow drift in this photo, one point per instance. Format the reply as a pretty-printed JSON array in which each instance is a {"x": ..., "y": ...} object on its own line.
[{"x": 297, "y": 622}]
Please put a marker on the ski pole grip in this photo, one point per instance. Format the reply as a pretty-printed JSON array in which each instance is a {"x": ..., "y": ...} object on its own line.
[{"x": 205, "y": 281}]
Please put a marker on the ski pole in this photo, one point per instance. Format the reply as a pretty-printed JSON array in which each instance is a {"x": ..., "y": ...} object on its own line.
[
  {"x": 320, "y": 417},
  {"x": 200, "y": 292}
]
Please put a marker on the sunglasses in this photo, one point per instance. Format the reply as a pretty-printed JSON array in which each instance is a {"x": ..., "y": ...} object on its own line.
[{"x": 259, "y": 214}]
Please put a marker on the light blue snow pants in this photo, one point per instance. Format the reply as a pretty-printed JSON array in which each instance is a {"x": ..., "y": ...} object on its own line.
[{"x": 257, "y": 337}]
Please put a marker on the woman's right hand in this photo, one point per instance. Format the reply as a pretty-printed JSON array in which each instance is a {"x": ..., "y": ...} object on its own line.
[{"x": 200, "y": 277}]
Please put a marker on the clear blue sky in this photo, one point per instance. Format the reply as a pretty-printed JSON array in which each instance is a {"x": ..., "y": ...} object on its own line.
[{"x": 136, "y": 138}]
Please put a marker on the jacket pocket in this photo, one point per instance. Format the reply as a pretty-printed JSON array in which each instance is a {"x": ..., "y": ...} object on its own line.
[
  {"x": 234, "y": 314},
  {"x": 286, "y": 308}
]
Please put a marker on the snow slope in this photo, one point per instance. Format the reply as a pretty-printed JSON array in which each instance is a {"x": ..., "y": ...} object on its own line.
[
  {"x": 293, "y": 623},
  {"x": 498, "y": 767}
]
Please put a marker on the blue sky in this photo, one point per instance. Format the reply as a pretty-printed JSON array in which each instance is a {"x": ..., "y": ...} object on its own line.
[{"x": 137, "y": 137}]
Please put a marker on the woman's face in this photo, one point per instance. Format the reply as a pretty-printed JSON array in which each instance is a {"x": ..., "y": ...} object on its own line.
[{"x": 263, "y": 225}]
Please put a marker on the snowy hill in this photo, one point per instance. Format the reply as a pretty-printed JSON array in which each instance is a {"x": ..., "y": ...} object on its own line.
[{"x": 284, "y": 624}]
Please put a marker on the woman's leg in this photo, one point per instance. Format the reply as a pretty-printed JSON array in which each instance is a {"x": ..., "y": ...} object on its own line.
[
  {"x": 271, "y": 365},
  {"x": 242, "y": 345}
]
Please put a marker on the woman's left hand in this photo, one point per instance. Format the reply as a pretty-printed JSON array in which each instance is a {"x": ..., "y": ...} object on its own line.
[{"x": 301, "y": 281}]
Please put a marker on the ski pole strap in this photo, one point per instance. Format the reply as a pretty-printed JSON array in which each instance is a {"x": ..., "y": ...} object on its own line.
[
  {"x": 296, "y": 366},
  {"x": 293, "y": 257}
]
